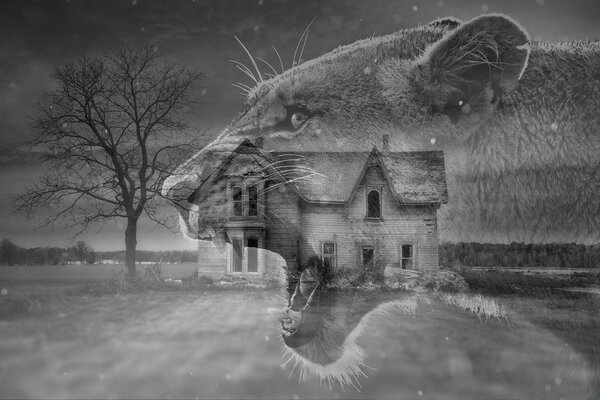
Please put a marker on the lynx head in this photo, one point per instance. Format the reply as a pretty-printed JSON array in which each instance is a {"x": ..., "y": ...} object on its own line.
[{"x": 435, "y": 83}]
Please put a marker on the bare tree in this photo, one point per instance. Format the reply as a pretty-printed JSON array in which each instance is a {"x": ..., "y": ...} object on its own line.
[{"x": 110, "y": 133}]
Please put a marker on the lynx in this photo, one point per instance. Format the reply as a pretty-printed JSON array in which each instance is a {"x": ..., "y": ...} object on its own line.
[{"x": 517, "y": 120}]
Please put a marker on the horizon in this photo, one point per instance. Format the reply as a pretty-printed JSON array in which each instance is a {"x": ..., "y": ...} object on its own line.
[{"x": 441, "y": 243}]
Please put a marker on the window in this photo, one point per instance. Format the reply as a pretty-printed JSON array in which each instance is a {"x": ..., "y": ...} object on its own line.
[
  {"x": 329, "y": 254},
  {"x": 236, "y": 255},
  {"x": 373, "y": 204},
  {"x": 245, "y": 254},
  {"x": 252, "y": 201},
  {"x": 236, "y": 196},
  {"x": 244, "y": 197},
  {"x": 252, "y": 250},
  {"x": 407, "y": 256},
  {"x": 368, "y": 257}
]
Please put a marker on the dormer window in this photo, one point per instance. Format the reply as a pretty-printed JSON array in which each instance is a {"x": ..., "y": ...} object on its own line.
[
  {"x": 374, "y": 203},
  {"x": 244, "y": 197}
]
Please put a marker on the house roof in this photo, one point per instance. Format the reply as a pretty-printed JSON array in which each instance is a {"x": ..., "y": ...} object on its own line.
[
  {"x": 414, "y": 177},
  {"x": 333, "y": 177}
]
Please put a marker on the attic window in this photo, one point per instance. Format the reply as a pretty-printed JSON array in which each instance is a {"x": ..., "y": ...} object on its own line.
[{"x": 374, "y": 203}]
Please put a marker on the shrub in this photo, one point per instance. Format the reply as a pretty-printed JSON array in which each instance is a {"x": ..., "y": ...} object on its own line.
[
  {"x": 353, "y": 277},
  {"x": 206, "y": 280},
  {"x": 444, "y": 281}
]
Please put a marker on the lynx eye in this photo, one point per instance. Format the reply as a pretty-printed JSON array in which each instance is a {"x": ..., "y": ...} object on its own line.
[{"x": 297, "y": 119}]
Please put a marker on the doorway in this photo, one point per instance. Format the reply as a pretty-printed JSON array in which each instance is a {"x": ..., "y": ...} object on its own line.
[{"x": 252, "y": 249}]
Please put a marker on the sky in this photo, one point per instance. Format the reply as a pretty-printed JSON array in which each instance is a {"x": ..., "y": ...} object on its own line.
[{"x": 36, "y": 37}]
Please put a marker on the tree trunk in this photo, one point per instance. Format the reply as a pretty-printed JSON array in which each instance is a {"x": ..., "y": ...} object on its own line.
[{"x": 130, "y": 244}]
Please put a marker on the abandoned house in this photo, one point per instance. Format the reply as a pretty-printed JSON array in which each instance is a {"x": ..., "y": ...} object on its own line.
[{"x": 371, "y": 210}]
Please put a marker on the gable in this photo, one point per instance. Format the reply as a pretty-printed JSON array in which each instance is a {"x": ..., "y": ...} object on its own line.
[
  {"x": 246, "y": 160},
  {"x": 373, "y": 176},
  {"x": 242, "y": 165}
]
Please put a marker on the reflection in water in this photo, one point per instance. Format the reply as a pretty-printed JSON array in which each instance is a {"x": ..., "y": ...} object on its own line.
[{"x": 320, "y": 327}]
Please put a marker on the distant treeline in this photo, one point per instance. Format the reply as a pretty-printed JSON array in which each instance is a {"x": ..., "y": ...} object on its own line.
[
  {"x": 11, "y": 254},
  {"x": 167, "y": 256},
  {"x": 557, "y": 255}
]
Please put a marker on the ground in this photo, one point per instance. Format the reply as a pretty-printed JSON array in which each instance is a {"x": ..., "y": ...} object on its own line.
[{"x": 209, "y": 343}]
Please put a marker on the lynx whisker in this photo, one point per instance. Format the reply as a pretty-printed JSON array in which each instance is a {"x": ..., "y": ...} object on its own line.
[
  {"x": 305, "y": 39},
  {"x": 268, "y": 64},
  {"x": 244, "y": 91},
  {"x": 260, "y": 78},
  {"x": 246, "y": 71},
  {"x": 277, "y": 185},
  {"x": 279, "y": 58},
  {"x": 302, "y": 37}
]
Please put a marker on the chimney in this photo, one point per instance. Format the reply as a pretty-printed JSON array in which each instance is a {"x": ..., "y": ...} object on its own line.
[
  {"x": 259, "y": 142},
  {"x": 386, "y": 143}
]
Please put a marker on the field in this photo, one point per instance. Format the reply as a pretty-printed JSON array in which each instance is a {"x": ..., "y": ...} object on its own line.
[
  {"x": 44, "y": 279},
  {"x": 223, "y": 344}
]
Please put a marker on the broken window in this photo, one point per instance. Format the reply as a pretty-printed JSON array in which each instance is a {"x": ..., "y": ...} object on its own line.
[
  {"x": 407, "y": 256},
  {"x": 329, "y": 254},
  {"x": 368, "y": 259}
]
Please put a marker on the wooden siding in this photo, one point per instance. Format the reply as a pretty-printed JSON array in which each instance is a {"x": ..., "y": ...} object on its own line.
[
  {"x": 279, "y": 210},
  {"x": 215, "y": 210},
  {"x": 215, "y": 205},
  {"x": 282, "y": 217},
  {"x": 212, "y": 261},
  {"x": 347, "y": 226}
]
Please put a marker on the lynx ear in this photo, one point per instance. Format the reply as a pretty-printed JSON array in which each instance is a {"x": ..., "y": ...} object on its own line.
[
  {"x": 472, "y": 65},
  {"x": 448, "y": 23}
]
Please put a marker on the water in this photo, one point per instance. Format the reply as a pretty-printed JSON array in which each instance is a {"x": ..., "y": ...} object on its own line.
[{"x": 224, "y": 344}]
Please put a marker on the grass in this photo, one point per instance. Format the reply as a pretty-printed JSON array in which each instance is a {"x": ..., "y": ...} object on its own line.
[
  {"x": 22, "y": 297},
  {"x": 223, "y": 344},
  {"x": 152, "y": 336},
  {"x": 502, "y": 283}
]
